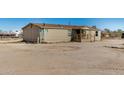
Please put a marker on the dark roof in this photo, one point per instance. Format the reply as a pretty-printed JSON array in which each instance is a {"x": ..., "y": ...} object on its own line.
[{"x": 59, "y": 26}]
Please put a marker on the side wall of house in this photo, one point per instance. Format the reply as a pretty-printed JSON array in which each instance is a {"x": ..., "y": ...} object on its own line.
[
  {"x": 57, "y": 35},
  {"x": 31, "y": 34},
  {"x": 98, "y": 38},
  {"x": 91, "y": 36}
]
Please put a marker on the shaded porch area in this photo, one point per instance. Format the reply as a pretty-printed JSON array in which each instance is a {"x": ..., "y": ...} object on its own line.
[{"x": 76, "y": 35}]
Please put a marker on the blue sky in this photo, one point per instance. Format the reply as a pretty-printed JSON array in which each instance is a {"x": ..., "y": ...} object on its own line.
[{"x": 8, "y": 24}]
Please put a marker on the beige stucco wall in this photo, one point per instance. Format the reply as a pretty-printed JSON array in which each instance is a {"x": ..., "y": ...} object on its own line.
[
  {"x": 91, "y": 36},
  {"x": 98, "y": 38},
  {"x": 88, "y": 35},
  {"x": 31, "y": 34},
  {"x": 56, "y": 35}
]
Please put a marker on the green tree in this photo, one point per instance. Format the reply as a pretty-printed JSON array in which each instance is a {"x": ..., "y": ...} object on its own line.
[
  {"x": 107, "y": 30},
  {"x": 119, "y": 30}
]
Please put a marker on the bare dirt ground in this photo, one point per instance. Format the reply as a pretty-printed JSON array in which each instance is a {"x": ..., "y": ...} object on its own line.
[{"x": 62, "y": 58}]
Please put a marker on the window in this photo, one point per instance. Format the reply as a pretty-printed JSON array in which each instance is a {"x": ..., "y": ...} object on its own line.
[{"x": 96, "y": 33}]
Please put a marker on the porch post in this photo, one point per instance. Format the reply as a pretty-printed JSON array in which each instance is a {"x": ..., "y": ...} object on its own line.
[{"x": 80, "y": 35}]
